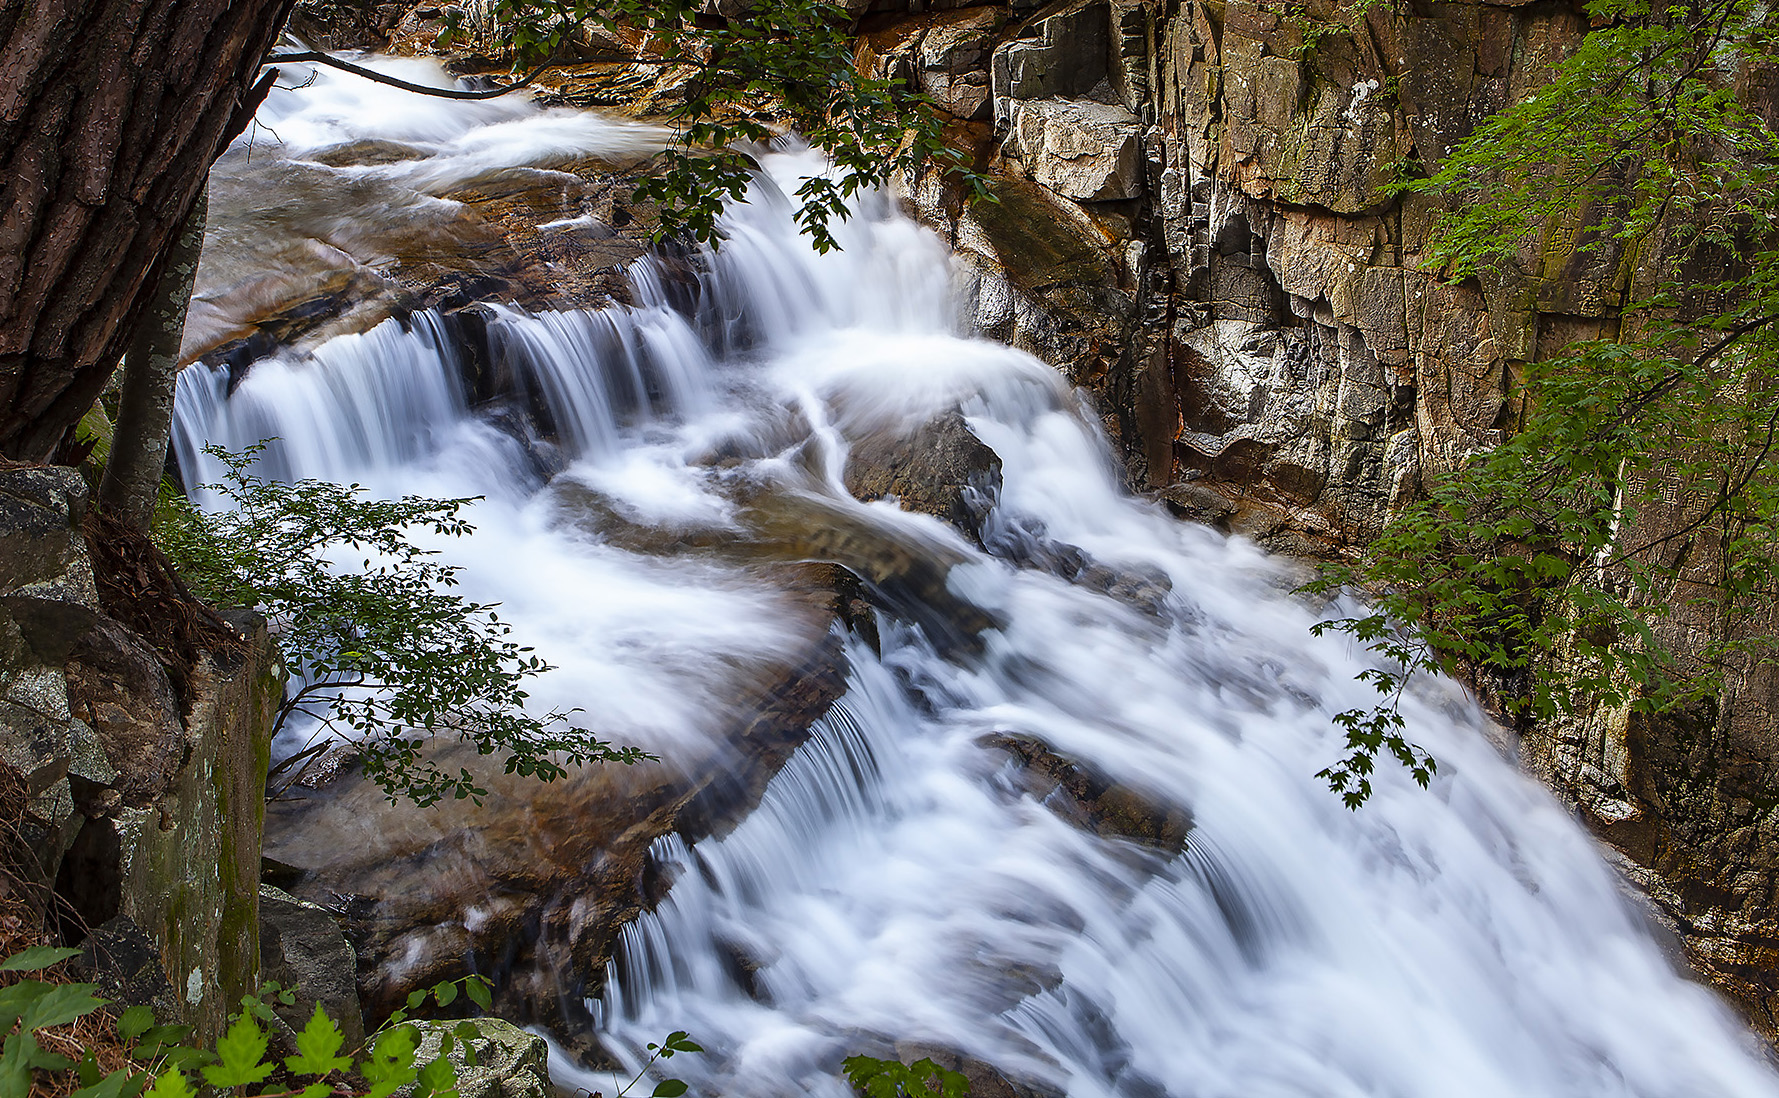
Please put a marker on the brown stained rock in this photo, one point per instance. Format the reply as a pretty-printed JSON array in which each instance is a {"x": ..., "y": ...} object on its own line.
[{"x": 303, "y": 251}]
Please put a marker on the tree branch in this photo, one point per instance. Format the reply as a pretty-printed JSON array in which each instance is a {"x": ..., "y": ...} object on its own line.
[{"x": 328, "y": 59}]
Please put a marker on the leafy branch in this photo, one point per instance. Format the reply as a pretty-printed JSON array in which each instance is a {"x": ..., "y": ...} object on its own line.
[{"x": 381, "y": 651}]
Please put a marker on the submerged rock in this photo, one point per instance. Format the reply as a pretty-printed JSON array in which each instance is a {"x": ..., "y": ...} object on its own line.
[
  {"x": 1089, "y": 799},
  {"x": 931, "y": 472}
]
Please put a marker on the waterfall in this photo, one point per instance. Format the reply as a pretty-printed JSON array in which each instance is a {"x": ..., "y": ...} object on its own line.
[{"x": 905, "y": 883}]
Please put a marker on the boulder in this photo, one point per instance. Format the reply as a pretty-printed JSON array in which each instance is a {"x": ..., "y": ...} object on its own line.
[
  {"x": 931, "y": 472},
  {"x": 302, "y": 948},
  {"x": 1088, "y": 151},
  {"x": 140, "y": 802},
  {"x": 126, "y": 964}
]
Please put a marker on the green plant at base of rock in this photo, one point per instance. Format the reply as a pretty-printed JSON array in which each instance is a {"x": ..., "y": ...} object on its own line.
[
  {"x": 384, "y": 652},
  {"x": 791, "y": 57},
  {"x": 1637, "y": 503},
  {"x": 876, "y": 1078}
]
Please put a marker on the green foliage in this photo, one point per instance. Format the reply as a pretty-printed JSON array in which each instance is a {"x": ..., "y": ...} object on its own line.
[
  {"x": 876, "y": 1078},
  {"x": 379, "y": 646},
  {"x": 792, "y": 58},
  {"x": 1640, "y": 487},
  {"x": 240, "y": 1059}
]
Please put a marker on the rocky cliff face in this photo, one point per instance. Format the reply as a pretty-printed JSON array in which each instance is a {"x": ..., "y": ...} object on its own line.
[{"x": 1194, "y": 224}]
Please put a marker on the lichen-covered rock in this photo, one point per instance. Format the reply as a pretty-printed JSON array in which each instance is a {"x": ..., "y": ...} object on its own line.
[
  {"x": 189, "y": 862},
  {"x": 508, "y": 1062}
]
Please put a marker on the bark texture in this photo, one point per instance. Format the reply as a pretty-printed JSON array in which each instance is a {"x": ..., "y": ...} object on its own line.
[
  {"x": 145, "y": 415},
  {"x": 111, "y": 112}
]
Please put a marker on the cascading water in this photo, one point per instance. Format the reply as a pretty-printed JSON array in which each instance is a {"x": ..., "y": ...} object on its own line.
[{"x": 900, "y": 888}]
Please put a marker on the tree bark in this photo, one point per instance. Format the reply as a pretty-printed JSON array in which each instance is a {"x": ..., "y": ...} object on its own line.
[
  {"x": 151, "y": 368},
  {"x": 111, "y": 112}
]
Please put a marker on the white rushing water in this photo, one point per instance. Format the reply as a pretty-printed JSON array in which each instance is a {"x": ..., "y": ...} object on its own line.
[{"x": 899, "y": 883}]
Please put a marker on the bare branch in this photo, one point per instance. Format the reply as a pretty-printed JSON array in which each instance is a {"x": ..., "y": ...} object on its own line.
[{"x": 319, "y": 58}]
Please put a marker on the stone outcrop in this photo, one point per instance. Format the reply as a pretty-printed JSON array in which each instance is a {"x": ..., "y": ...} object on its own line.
[{"x": 143, "y": 790}]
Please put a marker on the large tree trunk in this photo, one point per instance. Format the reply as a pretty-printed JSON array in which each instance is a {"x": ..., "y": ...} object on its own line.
[{"x": 111, "y": 112}]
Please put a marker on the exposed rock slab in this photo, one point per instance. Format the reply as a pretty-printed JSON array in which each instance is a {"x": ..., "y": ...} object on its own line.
[{"x": 1080, "y": 149}]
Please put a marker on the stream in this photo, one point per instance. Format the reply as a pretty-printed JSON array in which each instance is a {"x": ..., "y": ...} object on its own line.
[{"x": 904, "y": 886}]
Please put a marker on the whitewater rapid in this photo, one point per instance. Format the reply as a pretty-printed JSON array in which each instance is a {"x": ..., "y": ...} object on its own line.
[{"x": 900, "y": 889}]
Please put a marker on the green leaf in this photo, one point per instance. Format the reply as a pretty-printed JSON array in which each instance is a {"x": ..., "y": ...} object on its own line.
[
  {"x": 15, "y": 1065},
  {"x": 467, "y": 1036},
  {"x": 241, "y": 1055},
  {"x": 669, "y": 1088},
  {"x": 37, "y": 958},
  {"x": 170, "y": 1083},
  {"x": 59, "y": 1004},
  {"x": 478, "y": 990},
  {"x": 436, "y": 1079},
  {"x": 134, "y": 1022},
  {"x": 318, "y": 1046},
  {"x": 119, "y": 1084},
  {"x": 390, "y": 1065}
]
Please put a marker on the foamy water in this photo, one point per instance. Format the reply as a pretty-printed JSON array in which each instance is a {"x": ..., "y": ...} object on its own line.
[{"x": 900, "y": 883}]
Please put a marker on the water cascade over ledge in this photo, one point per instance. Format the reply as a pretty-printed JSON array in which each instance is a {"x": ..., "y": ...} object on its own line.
[{"x": 909, "y": 882}]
